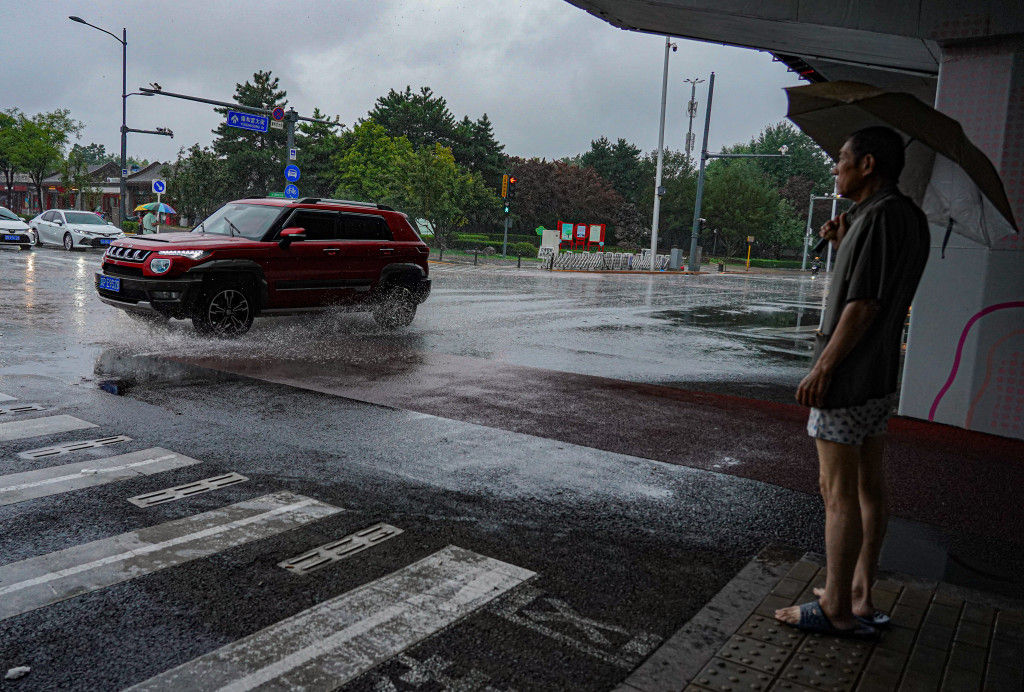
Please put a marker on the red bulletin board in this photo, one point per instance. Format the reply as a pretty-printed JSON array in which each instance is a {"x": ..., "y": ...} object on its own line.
[{"x": 581, "y": 235}]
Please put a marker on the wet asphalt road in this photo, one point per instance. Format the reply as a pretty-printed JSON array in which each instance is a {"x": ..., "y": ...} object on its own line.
[{"x": 625, "y": 548}]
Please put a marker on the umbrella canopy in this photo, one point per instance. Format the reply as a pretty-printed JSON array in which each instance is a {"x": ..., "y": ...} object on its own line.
[
  {"x": 157, "y": 207},
  {"x": 954, "y": 182}
]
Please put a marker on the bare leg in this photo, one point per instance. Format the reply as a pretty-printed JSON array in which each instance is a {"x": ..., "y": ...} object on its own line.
[
  {"x": 874, "y": 516},
  {"x": 839, "y": 479}
]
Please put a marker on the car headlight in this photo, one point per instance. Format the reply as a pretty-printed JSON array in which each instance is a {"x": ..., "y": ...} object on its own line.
[
  {"x": 158, "y": 265},
  {"x": 191, "y": 254}
]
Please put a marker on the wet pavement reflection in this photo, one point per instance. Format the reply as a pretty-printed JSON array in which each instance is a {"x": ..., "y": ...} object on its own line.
[{"x": 752, "y": 329}]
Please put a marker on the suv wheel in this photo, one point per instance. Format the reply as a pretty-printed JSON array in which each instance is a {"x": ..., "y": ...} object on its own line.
[
  {"x": 224, "y": 311},
  {"x": 69, "y": 244},
  {"x": 395, "y": 309}
]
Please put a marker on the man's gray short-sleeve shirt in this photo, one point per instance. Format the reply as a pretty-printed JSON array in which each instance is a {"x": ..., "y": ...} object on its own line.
[{"x": 881, "y": 258}]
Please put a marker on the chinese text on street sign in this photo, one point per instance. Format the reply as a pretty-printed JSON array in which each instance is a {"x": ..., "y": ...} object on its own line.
[{"x": 247, "y": 121}]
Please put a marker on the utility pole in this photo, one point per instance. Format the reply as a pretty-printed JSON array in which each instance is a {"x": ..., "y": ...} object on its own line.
[
  {"x": 704, "y": 156},
  {"x": 659, "y": 191},
  {"x": 691, "y": 110}
]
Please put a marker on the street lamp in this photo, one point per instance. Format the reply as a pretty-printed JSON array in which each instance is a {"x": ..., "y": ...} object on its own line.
[
  {"x": 659, "y": 189},
  {"x": 124, "y": 108}
]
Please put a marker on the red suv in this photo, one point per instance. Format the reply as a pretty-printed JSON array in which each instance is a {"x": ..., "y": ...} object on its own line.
[{"x": 272, "y": 257}]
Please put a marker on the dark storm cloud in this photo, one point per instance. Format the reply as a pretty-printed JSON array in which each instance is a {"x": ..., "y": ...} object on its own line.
[{"x": 550, "y": 76}]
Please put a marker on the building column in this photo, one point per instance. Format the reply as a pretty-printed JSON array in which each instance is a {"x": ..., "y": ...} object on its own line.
[{"x": 965, "y": 349}]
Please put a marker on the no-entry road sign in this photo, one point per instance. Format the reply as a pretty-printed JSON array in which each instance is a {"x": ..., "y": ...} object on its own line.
[{"x": 247, "y": 121}]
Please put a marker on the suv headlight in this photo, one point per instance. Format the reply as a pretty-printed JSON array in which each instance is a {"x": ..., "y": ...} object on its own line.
[
  {"x": 191, "y": 254},
  {"x": 159, "y": 265}
]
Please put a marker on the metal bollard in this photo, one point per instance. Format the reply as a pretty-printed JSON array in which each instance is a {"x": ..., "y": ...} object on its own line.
[
  {"x": 519, "y": 261},
  {"x": 440, "y": 254},
  {"x": 475, "y": 252}
]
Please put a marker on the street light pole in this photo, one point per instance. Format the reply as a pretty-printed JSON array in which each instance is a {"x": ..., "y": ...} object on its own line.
[
  {"x": 124, "y": 108},
  {"x": 658, "y": 190}
]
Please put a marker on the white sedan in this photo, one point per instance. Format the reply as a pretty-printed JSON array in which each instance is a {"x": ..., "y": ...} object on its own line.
[
  {"x": 74, "y": 229},
  {"x": 14, "y": 231}
]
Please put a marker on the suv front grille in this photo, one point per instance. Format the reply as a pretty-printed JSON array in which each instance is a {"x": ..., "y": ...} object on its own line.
[
  {"x": 117, "y": 270},
  {"x": 127, "y": 254}
]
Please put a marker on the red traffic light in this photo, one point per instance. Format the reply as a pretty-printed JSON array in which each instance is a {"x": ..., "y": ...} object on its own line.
[{"x": 511, "y": 181}]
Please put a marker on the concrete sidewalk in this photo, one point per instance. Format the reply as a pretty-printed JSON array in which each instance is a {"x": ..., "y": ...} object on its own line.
[{"x": 941, "y": 638}]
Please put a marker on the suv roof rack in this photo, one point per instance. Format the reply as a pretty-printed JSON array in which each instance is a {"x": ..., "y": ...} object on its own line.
[{"x": 350, "y": 202}]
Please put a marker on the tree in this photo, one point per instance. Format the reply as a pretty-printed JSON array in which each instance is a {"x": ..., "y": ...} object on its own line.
[
  {"x": 622, "y": 165},
  {"x": 552, "y": 191},
  {"x": 478, "y": 151},
  {"x": 803, "y": 157},
  {"x": 318, "y": 144},
  {"x": 199, "y": 184},
  {"x": 41, "y": 148},
  {"x": 431, "y": 186},
  {"x": 10, "y": 141},
  {"x": 738, "y": 202},
  {"x": 421, "y": 117},
  {"x": 255, "y": 161},
  {"x": 365, "y": 166},
  {"x": 75, "y": 178}
]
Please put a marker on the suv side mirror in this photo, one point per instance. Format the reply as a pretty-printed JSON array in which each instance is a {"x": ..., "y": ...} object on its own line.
[{"x": 290, "y": 235}]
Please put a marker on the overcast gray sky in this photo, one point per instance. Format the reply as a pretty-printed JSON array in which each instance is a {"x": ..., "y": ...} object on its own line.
[{"x": 550, "y": 76}]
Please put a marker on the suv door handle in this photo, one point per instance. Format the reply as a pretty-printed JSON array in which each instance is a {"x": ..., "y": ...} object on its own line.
[
  {"x": 385, "y": 250},
  {"x": 332, "y": 250}
]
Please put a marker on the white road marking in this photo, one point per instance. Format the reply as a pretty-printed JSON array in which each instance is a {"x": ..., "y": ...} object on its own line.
[
  {"x": 37, "y": 427},
  {"x": 46, "y": 579},
  {"x": 18, "y": 487},
  {"x": 337, "y": 640},
  {"x": 7, "y": 397}
]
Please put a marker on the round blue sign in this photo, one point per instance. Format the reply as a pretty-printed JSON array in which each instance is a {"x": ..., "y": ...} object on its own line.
[
  {"x": 291, "y": 192},
  {"x": 291, "y": 172},
  {"x": 278, "y": 113}
]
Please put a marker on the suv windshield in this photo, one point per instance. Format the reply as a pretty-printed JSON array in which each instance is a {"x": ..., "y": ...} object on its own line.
[
  {"x": 83, "y": 218},
  {"x": 8, "y": 215},
  {"x": 251, "y": 221}
]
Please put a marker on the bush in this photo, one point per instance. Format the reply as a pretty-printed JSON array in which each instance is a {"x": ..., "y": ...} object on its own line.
[
  {"x": 523, "y": 249},
  {"x": 762, "y": 263},
  {"x": 130, "y": 227}
]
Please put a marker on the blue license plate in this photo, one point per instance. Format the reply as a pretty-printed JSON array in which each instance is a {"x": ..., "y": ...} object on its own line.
[
  {"x": 104, "y": 241},
  {"x": 15, "y": 238},
  {"x": 110, "y": 283}
]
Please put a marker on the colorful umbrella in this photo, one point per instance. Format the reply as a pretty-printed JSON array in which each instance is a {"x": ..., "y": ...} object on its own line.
[{"x": 158, "y": 207}]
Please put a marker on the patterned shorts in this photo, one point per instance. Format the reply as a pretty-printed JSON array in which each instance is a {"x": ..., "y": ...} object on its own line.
[{"x": 849, "y": 426}]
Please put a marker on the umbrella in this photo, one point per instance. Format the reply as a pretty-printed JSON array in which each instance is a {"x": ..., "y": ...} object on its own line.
[
  {"x": 951, "y": 179},
  {"x": 158, "y": 207}
]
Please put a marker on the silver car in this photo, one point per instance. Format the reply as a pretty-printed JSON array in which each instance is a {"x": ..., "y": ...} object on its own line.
[
  {"x": 14, "y": 231},
  {"x": 73, "y": 229}
]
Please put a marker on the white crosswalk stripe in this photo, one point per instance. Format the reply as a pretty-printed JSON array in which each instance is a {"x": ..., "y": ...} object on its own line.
[
  {"x": 37, "y": 427},
  {"x": 18, "y": 487},
  {"x": 46, "y": 579},
  {"x": 335, "y": 641},
  {"x": 7, "y": 397}
]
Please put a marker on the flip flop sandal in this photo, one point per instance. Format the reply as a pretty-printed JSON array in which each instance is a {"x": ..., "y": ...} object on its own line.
[
  {"x": 812, "y": 619},
  {"x": 876, "y": 619}
]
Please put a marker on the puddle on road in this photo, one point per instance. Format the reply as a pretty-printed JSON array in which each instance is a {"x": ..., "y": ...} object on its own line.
[{"x": 753, "y": 316}]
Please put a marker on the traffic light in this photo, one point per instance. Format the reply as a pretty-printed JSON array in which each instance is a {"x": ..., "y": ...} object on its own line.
[{"x": 511, "y": 188}]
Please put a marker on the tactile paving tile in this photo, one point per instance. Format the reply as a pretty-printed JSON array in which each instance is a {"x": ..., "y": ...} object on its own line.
[
  {"x": 771, "y": 631},
  {"x": 819, "y": 674},
  {"x": 20, "y": 408},
  {"x": 847, "y": 652},
  {"x": 754, "y": 654},
  {"x": 723, "y": 675}
]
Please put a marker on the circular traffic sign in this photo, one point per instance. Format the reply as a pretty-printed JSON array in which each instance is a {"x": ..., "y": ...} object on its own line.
[
  {"x": 291, "y": 192},
  {"x": 278, "y": 113},
  {"x": 291, "y": 172}
]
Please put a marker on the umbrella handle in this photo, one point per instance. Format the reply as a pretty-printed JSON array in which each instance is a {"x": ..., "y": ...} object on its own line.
[{"x": 949, "y": 231}]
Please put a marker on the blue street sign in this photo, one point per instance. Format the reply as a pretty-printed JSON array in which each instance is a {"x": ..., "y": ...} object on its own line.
[
  {"x": 159, "y": 186},
  {"x": 291, "y": 173},
  {"x": 247, "y": 121},
  {"x": 291, "y": 192}
]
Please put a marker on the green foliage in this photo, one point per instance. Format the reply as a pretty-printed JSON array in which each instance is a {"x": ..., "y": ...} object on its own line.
[
  {"x": 366, "y": 163},
  {"x": 622, "y": 165},
  {"x": 40, "y": 144},
  {"x": 477, "y": 150},
  {"x": 803, "y": 157},
  {"x": 738, "y": 202},
  {"x": 522, "y": 249},
  {"x": 200, "y": 183},
  {"x": 318, "y": 144},
  {"x": 74, "y": 176},
  {"x": 130, "y": 226},
  {"x": 420, "y": 117},
  {"x": 254, "y": 160},
  {"x": 10, "y": 138}
]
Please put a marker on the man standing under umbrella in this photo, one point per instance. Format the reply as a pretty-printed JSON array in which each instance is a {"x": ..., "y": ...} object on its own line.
[{"x": 882, "y": 246}]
